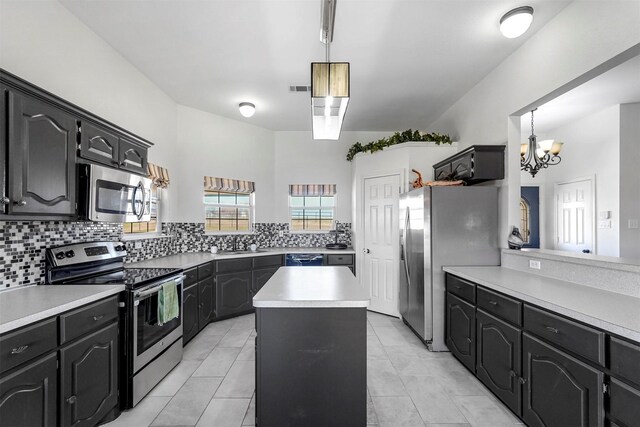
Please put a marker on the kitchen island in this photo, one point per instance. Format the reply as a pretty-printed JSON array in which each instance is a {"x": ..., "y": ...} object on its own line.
[{"x": 311, "y": 348}]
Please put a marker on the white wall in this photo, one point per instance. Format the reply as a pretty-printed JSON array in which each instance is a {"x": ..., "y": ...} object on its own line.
[
  {"x": 592, "y": 148},
  {"x": 582, "y": 36},
  {"x": 216, "y": 146},
  {"x": 630, "y": 179}
]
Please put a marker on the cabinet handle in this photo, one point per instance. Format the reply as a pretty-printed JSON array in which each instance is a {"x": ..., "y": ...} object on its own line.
[
  {"x": 20, "y": 203},
  {"x": 72, "y": 400},
  {"x": 5, "y": 200},
  {"x": 493, "y": 303},
  {"x": 523, "y": 380},
  {"x": 513, "y": 374},
  {"x": 96, "y": 318},
  {"x": 468, "y": 340},
  {"x": 20, "y": 349},
  {"x": 551, "y": 329},
  {"x": 458, "y": 287}
]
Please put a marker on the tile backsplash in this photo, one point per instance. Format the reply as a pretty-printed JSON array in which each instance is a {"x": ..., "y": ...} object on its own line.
[{"x": 23, "y": 242}]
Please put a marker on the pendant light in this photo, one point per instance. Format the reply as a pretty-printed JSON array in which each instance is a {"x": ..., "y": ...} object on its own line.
[
  {"x": 516, "y": 22},
  {"x": 536, "y": 155},
  {"x": 330, "y": 83}
]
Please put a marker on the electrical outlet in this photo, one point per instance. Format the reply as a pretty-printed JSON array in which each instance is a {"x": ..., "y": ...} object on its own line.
[
  {"x": 633, "y": 223},
  {"x": 138, "y": 244},
  {"x": 604, "y": 224},
  {"x": 534, "y": 264},
  {"x": 280, "y": 233}
]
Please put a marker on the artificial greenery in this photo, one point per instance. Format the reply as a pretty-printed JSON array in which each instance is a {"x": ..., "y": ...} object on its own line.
[{"x": 396, "y": 138}]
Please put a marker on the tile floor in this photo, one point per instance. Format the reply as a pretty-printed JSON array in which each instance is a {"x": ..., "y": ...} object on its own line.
[{"x": 407, "y": 384}]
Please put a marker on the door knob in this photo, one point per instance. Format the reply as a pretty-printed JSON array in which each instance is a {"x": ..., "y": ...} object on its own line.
[
  {"x": 4, "y": 201},
  {"x": 20, "y": 203},
  {"x": 366, "y": 251}
]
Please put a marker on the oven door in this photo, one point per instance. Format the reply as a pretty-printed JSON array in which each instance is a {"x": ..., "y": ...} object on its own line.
[
  {"x": 150, "y": 338},
  {"x": 117, "y": 196}
]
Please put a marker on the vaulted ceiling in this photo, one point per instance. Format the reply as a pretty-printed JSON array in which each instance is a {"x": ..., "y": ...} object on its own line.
[{"x": 410, "y": 59}]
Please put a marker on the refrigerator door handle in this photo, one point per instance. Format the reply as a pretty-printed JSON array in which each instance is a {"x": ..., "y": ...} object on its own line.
[{"x": 404, "y": 248}]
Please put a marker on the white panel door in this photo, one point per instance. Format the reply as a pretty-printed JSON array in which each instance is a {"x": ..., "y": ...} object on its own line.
[
  {"x": 574, "y": 216},
  {"x": 380, "y": 258}
]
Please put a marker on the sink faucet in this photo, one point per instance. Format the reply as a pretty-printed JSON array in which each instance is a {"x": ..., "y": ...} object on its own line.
[{"x": 235, "y": 243}]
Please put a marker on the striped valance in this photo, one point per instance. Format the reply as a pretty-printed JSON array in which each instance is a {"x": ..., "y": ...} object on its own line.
[
  {"x": 312, "y": 190},
  {"x": 229, "y": 185},
  {"x": 159, "y": 175}
]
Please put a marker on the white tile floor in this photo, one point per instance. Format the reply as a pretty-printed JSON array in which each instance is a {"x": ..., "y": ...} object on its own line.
[{"x": 407, "y": 384}]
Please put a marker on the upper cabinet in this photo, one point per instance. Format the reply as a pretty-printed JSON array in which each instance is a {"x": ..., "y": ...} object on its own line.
[
  {"x": 42, "y": 158},
  {"x": 42, "y": 139},
  {"x": 476, "y": 164}
]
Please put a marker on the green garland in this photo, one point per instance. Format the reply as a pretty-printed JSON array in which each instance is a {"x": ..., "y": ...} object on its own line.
[{"x": 396, "y": 138}]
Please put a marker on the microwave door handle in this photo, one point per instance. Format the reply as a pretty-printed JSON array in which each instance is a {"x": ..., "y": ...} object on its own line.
[
  {"x": 144, "y": 200},
  {"x": 133, "y": 201}
]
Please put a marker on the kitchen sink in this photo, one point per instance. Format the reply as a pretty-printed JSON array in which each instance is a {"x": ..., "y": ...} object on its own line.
[{"x": 241, "y": 252}]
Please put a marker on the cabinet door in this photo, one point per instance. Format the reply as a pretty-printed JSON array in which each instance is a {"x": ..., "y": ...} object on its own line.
[
  {"x": 190, "y": 313},
  {"x": 28, "y": 396},
  {"x": 499, "y": 351},
  {"x": 461, "y": 330},
  {"x": 233, "y": 293},
  {"x": 98, "y": 144},
  {"x": 4, "y": 198},
  {"x": 133, "y": 157},
  {"x": 559, "y": 390},
  {"x": 205, "y": 302},
  {"x": 42, "y": 151},
  {"x": 89, "y": 378},
  {"x": 260, "y": 277}
]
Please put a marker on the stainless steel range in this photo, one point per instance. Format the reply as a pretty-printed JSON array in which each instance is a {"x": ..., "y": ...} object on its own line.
[{"x": 151, "y": 349}]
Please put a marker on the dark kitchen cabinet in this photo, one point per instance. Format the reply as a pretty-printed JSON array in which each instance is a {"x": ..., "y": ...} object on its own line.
[
  {"x": 89, "y": 375},
  {"x": 28, "y": 396},
  {"x": 132, "y": 156},
  {"x": 476, "y": 164},
  {"x": 260, "y": 277},
  {"x": 461, "y": 330},
  {"x": 42, "y": 158},
  {"x": 498, "y": 351},
  {"x": 4, "y": 134},
  {"x": 99, "y": 144},
  {"x": 190, "y": 313},
  {"x": 206, "y": 305},
  {"x": 559, "y": 390},
  {"x": 233, "y": 293}
]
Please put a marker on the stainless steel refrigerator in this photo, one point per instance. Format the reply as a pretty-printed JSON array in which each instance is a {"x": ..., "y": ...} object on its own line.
[{"x": 442, "y": 226}]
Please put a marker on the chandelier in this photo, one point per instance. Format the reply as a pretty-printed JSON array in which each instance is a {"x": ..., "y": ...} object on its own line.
[{"x": 536, "y": 155}]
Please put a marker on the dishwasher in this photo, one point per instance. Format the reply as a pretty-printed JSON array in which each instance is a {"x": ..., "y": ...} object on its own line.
[{"x": 304, "y": 260}]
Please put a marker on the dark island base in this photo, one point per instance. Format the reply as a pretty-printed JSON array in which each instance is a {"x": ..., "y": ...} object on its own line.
[{"x": 311, "y": 367}]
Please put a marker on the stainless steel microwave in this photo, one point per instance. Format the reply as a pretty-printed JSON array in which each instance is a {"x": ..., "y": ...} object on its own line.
[{"x": 112, "y": 195}]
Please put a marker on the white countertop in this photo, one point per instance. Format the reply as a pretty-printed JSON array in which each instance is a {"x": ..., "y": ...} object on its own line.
[
  {"x": 312, "y": 287},
  {"x": 24, "y": 305},
  {"x": 610, "y": 311},
  {"x": 191, "y": 259}
]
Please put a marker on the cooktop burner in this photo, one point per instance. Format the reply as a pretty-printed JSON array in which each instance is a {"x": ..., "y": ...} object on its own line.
[{"x": 131, "y": 277}]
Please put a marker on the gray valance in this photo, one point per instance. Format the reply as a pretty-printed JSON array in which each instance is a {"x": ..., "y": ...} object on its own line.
[
  {"x": 312, "y": 190},
  {"x": 228, "y": 185}
]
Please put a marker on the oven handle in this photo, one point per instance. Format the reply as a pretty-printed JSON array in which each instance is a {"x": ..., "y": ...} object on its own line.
[{"x": 154, "y": 290}]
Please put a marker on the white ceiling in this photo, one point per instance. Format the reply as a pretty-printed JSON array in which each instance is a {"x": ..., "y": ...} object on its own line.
[
  {"x": 620, "y": 85},
  {"x": 410, "y": 59}
]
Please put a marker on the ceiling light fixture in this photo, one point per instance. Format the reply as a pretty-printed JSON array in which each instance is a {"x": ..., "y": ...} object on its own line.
[
  {"x": 536, "y": 155},
  {"x": 247, "y": 109},
  {"x": 330, "y": 83},
  {"x": 516, "y": 22}
]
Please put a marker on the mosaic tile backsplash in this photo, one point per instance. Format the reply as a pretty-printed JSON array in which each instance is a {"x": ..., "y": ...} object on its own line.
[{"x": 23, "y": 243}]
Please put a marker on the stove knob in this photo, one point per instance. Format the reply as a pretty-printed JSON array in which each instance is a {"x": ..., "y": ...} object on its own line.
[
  {"x": 70, "y": 254},
  {"x": 60, "y": 255},
  {"x": 119, "y": 248}
]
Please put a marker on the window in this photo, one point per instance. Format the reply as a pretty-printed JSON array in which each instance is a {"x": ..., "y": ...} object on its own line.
[
  {"x": 228, "y": 205},
  {"x": 312, "y": 207},
  {"x": 148, "y": 226}
]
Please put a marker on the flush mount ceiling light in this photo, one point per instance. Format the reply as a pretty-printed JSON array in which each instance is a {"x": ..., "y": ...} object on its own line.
[
  {"x": 330, "y": 83},
  {"x": 536, "y": 155},
  {"x": 516, "y": 22},
  {"x": 247, "y": 109}
]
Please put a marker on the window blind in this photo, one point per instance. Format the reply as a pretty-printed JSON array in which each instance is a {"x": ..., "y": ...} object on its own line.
[
  {"x": 159, "y": 175},
  {"x": 228, "y": 185},
  {"x": 312, "y": 190}
]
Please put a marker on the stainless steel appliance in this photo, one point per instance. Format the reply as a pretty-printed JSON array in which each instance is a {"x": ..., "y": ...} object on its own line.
[
  {"x": 151, "y": 349},
  {"x": 303, "y": 260},
  {"x": 441, "y": 226},
  {"x": 113, "y": 195}
]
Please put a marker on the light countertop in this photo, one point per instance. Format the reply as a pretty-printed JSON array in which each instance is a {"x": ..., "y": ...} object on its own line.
[
  {"x": 312, "y": 287},
  {"x": 24, "y": 305},
  {"x": 191, "y": 259},
  {"x": 610, "y": 311}
]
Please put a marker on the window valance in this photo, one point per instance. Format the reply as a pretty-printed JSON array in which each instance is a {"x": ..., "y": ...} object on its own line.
[
  {"x": 228, "y": 185},
  {"x": 159, "y": 175},
  {"x": 312, "y": 190}
]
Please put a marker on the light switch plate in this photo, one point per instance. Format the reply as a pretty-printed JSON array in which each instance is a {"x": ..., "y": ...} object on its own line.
[
  {"x": 534, "y": 264},
  {"x": 138, "y": 244},
  {"x": 280, "y": 233},
  {"x": 633, "y": 223},
  {"x": 604, "y": 224}
]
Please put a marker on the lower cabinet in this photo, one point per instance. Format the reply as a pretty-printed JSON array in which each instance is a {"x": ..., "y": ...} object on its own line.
[
  {"x": 190, "y": 313},
  {"x": 28, "y": 397},
  {"x": 206, "y": 305},
  {"x": 498, "y": 351},
  {"x": 234, "y": 293},
  {"x": 461, "y": 330},
  {"x": 559, "y": 390},
  {"x": 89, "y": 373}
]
